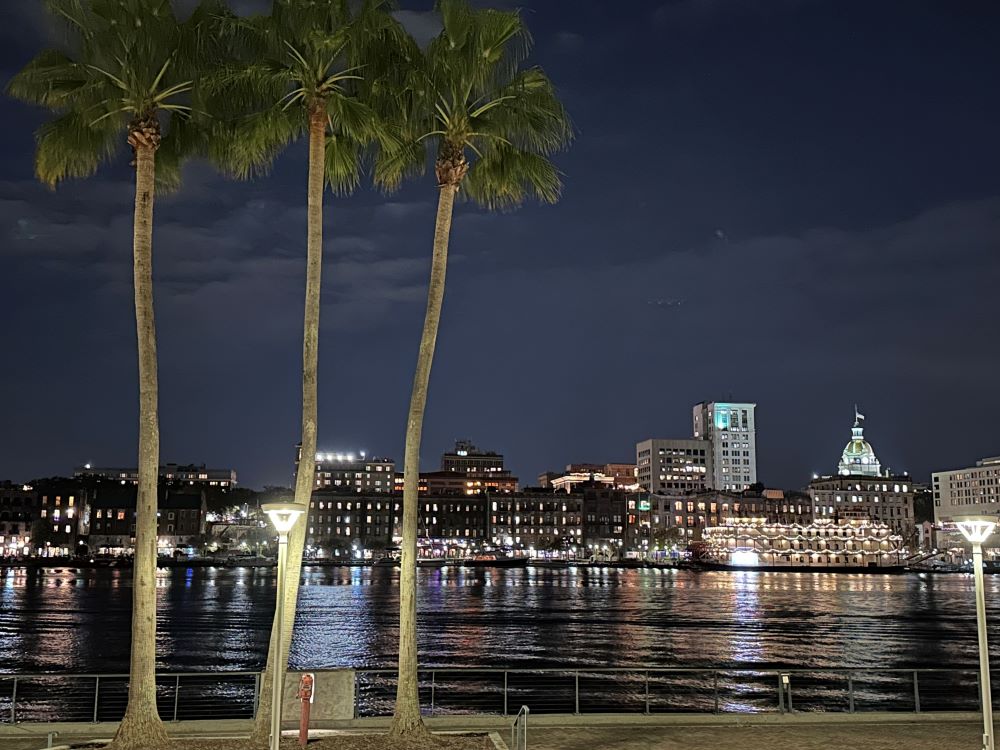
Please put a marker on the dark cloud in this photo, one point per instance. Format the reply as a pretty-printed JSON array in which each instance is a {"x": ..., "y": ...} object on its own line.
[{"x": 780, "y": 201}]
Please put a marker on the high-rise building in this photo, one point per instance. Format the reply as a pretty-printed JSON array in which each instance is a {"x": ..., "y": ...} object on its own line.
[
  {"x": 674, "y": 467},
  {"x": 731, "y": 429},
  {"x": 973, "y": 491}
]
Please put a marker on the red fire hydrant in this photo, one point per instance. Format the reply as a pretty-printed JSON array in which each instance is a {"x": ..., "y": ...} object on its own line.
[{"x": 306, "y": 696}]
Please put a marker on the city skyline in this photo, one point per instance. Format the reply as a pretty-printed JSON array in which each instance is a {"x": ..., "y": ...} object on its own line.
[{"x": 793, "y": 235}]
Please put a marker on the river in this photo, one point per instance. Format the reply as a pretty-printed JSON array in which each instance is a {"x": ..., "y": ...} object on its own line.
[{"x": 218, "y": 619}]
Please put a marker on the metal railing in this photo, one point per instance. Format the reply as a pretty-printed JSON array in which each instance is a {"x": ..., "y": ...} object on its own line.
[
  {"x": 519, "y": 730},
  {"x": 487, "y": 690},
  {"x": 451, "y": 691},
  {"x": 44, "y": 697}
]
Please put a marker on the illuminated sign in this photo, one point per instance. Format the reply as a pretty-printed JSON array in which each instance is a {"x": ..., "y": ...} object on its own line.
[{"x": 644, "y": 504}]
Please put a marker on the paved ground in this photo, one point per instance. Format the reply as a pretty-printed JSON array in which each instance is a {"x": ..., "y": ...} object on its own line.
[
  {"x": 814, "y": 737},
  {"x": 899, "y": 732}
]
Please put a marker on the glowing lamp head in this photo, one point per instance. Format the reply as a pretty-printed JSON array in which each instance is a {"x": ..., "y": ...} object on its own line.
[
  {"x": 283, "y": 515},
  {"x": 975, "y": 529}
]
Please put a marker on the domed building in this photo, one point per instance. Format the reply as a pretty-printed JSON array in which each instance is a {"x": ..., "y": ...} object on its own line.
[
  {"x": 862, "y": 489},
  {"x": 858, "y": 458}
]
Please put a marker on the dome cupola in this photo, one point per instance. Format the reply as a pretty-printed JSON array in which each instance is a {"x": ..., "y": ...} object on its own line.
[{"x": 858, "y": 457}]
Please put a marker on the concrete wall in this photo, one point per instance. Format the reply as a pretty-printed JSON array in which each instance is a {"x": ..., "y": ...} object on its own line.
[{"x": 333, "y": 697}]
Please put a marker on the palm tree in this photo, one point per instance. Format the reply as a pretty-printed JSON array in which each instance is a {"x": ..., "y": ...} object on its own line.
[
  {"x": 305, "y": 70},
  {"x": 491, "y": 124},
  {"x": 117, "y": 85}
]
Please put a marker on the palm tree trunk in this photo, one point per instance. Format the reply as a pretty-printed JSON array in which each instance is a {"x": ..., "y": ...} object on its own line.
[
  {"x": 305, "y": 474},
  {"x": 406, "y": 719},
  {"x": 141, "y": 726}
]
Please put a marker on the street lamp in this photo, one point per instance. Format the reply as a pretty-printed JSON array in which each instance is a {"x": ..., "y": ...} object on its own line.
[
  {"x": 283, "y": 516},
  {"x": 976, "y": 530}
]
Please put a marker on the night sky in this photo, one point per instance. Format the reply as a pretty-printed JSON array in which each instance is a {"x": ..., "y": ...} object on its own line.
[{"x": 791, "y": 202}]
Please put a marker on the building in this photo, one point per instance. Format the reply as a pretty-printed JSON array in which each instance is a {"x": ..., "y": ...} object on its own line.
[
  {"x": 674, "y": 467},
  {"x": 544, "y": 521},
  {"x": 468, "y": 459},
  {"x": 179, "y": 473},
  {"x": 350, "y": 473},
  {"x": 181, "y": 518},
  {"x": 603, "y": 517},
  {"x": 65, "y": 505},
  {"x": 18, "y": 512},
  {"x": 731, "y": 429},
  {"x": 467, "y": 470},
  {"x": 861, "y": 488},
  {"x": 858, "y": 458},
  {"x": 971, "y": 491},
  {"x": 371, "y": 522},
  {"x": 455, "y": 483},
  {"x": 571, "y": 480},
  {"x": 614, "y": 474}
]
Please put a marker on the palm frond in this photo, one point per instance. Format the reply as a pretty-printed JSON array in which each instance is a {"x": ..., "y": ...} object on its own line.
[
  {"x": 72, "y": 146},
  {"x": 505, "y": 177}
]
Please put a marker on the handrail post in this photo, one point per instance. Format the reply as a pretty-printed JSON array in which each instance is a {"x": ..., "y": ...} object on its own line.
[
  {"x": 781, "y": 695},
  {"x": 97, "y": 694},
  {"x": 357, "y": 692},
  {"x": 850, "y": 693},
  {"x": 576, "y": 691},
  {"x": 715, "y": 690},
  {"x": 647, "y": 691},
  {"x": 256, "y": 693},
  {"x": 916, "y": 693},
  {"x": 177, "y": 694},
  {"x": 505, "y": 692},
  {"x": 432, "y": 692},
  {"x": 13, "y": 703}
]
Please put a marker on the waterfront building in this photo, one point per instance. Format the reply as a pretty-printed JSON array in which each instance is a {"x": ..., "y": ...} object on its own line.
[
  {"x": 18, "y": 511},
  {"x": 64, "y": 507},
  {"x": 971, "y": 491},
  {"x": 603, "y": 517},
  {"x": 180, "y": 523},
  {"x": 372, "y": 522},
  {"x": 191, "y": 474},
  {"x": 544, "y": 521},
  {"x": 674, "y": 467},
  {"x": 731, "y": 429},
  {"x": 352, "y": 473},
  {"x": 827, "y": 543},
  {"x": 862, "y": 487}
]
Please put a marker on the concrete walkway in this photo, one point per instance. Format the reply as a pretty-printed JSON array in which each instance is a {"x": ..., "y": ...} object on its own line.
[{"x": 924, "y": 731}]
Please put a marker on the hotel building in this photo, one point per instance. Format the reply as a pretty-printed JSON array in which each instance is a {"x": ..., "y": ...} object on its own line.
[
  {"x": 731, "y": 430},
  {"x": 971, "y": 491}
]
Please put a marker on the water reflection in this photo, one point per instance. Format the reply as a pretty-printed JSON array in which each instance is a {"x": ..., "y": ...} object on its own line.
[{"x": 78, "y": 620}]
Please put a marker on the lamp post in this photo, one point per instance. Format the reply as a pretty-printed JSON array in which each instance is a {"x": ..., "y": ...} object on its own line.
[
  {"x": 976, "y": 530},
  {"x": 283, "y": 516}
]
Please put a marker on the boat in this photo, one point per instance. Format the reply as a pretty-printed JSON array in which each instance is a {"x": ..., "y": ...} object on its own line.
[
  {"x": 386, "y": 562},
  {"x": 843, "y": 545},
  {"x": 431, "y": 562},
  {"x": 492, "y": 561}
]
